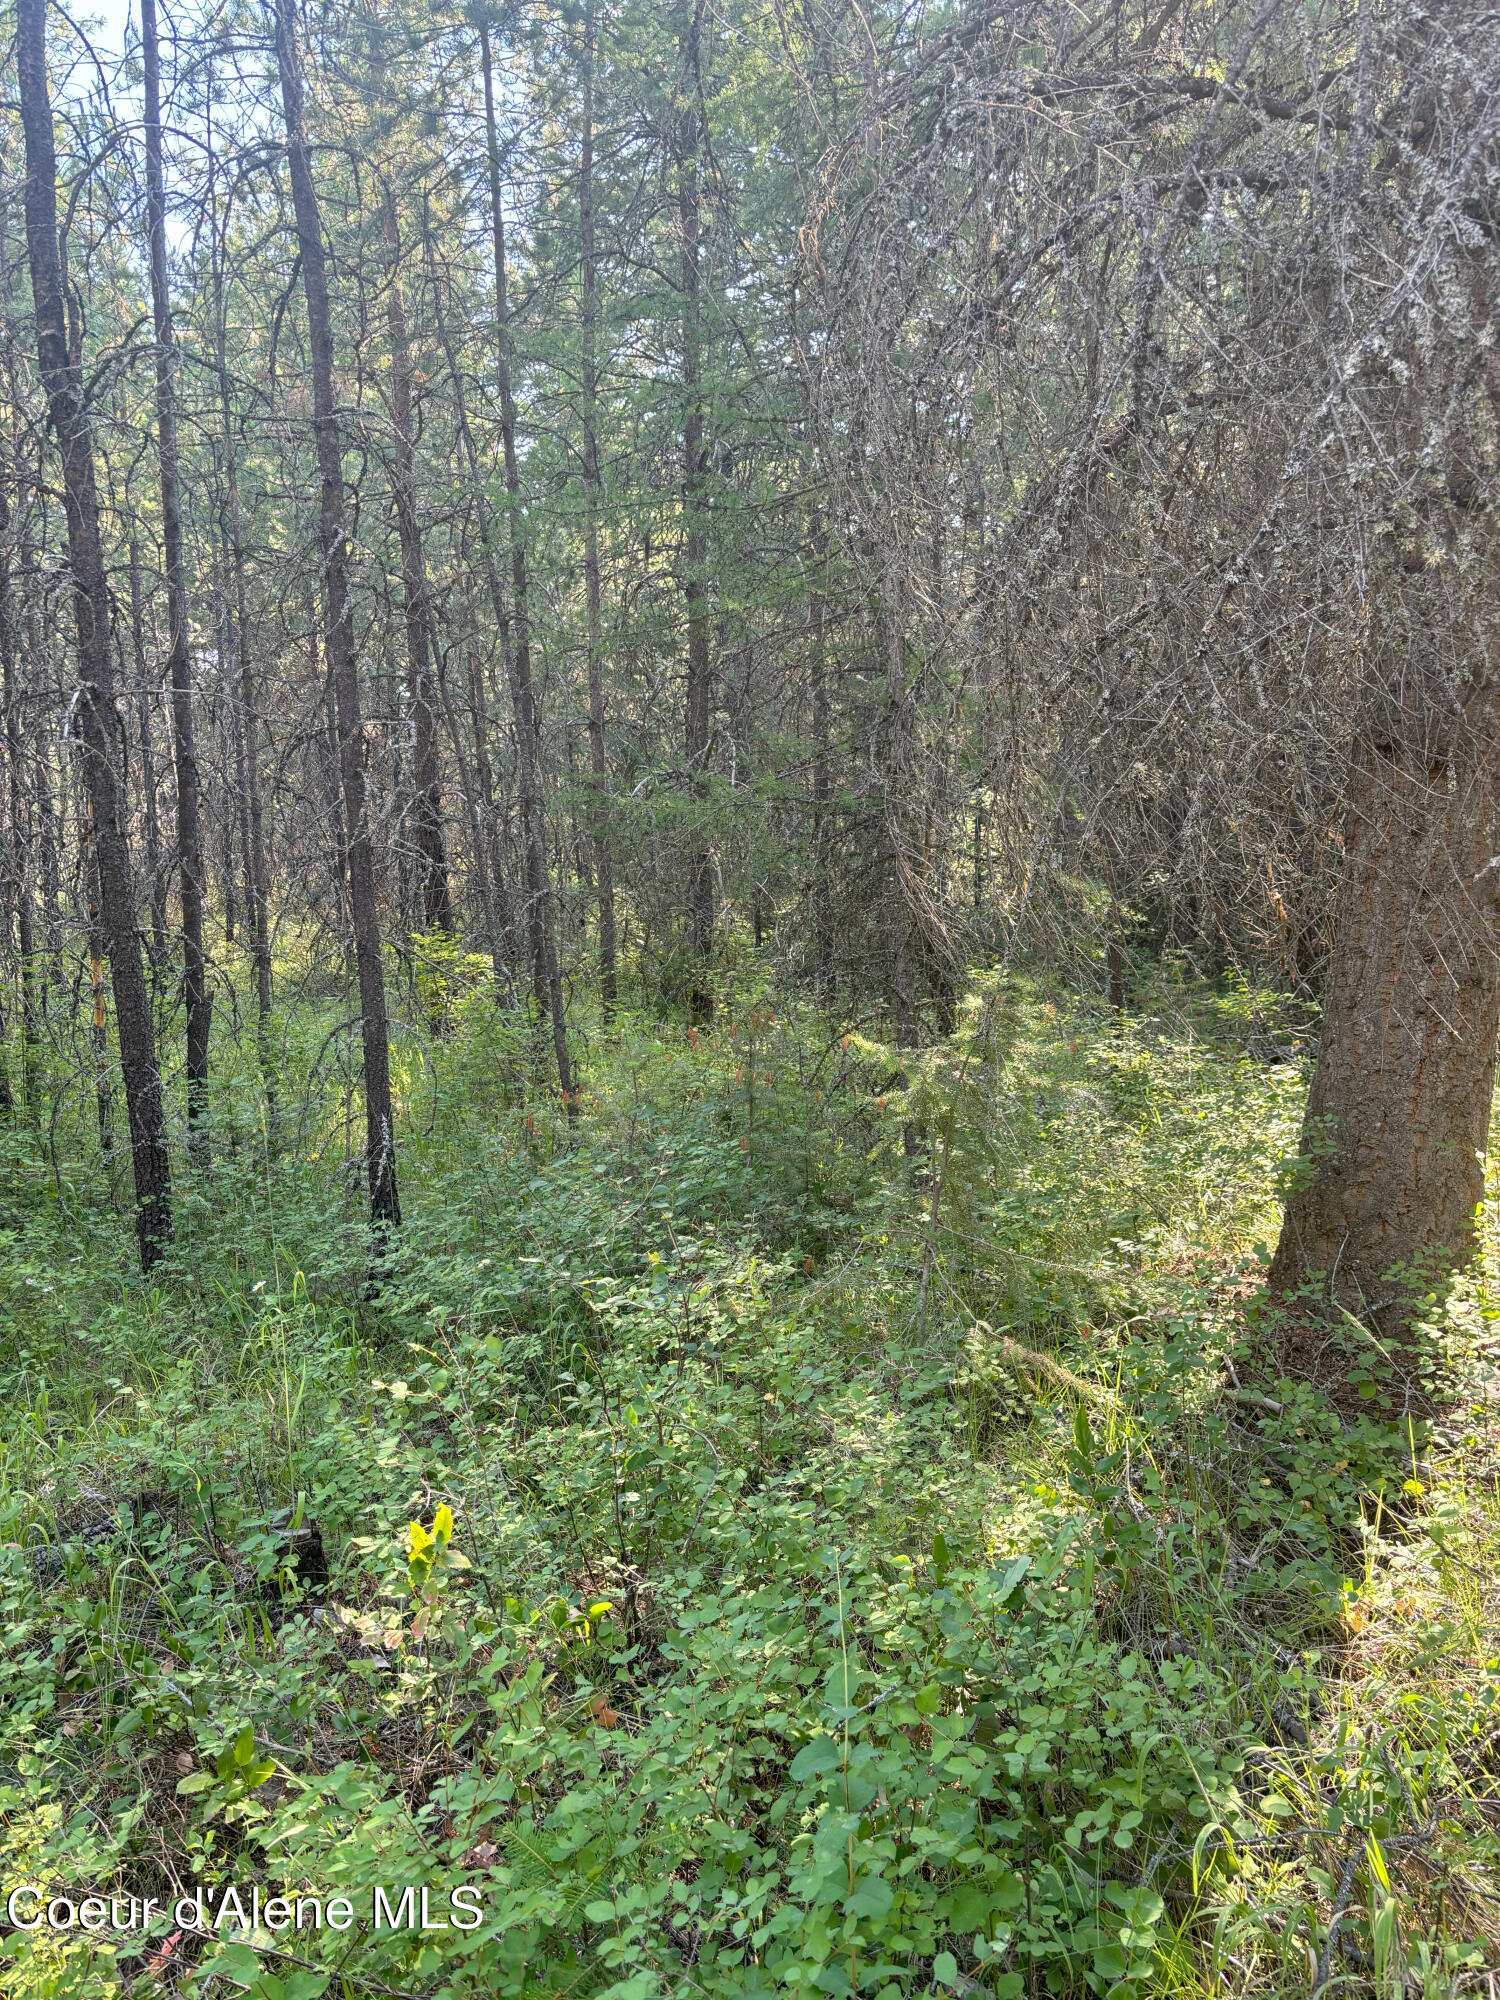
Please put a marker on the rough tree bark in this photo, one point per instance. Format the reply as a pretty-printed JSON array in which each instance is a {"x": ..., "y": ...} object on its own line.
[
  {"x": 546, "y": 978},
  {"x": 184, "y": 753},
  {"x": 598, "y": 769},
  {"x": 338, "y": 642},
  {"x": 99, "y": 729},
  {"x": 1399, "y": 1110},
  {"x": 1398, "y": 1115}
]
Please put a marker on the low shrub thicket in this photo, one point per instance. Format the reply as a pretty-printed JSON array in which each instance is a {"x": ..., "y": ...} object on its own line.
[{"x": 816, "y": 1527}]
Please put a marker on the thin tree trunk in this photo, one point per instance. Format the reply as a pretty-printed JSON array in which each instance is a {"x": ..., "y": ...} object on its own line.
[
  {"x": 179, "y": 673},
  {"x": 257, "y": 868},
  {"x": 12, "y": 850},
  {"x": 234, "y": 709},
  {"x": 155, "y": 871},
  {"x": 503, "y": 922},
  {"x": 480, "y": 815},
  {"x": 897, "y": 780},
  {"x": 427, "y": 805},
  {"x": 1116, "y": 965},
  {"x": 49, "y": 844},
  {"x": 592, "y": 486},
  {"x": 698, "y": 718},
  {"x": 326, "y": 752},
  {"x": 221, "y": 709},
  {"x": 488, "y": 810},
  {"x": 380, "y": 1139},
  {"x": 18, "y": 825},
  {"x": 15, "y": 815},
  {"x": 546, "y": 978},
  {"x": 99, "y": 1011},
  {"x": 48, "y": 835},
  {"x": 822, "y": 900},
  {"x": 98, "y": 717}
]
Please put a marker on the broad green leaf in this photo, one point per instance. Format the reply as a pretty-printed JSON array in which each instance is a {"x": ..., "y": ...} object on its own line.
[
  {"x": 871, "y": 1898},
  {"x": 823, "y": 1754}
]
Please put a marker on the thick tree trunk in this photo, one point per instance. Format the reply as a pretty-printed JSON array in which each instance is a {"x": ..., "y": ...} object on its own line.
[
  {"x": 380, "y": 1136},
  {"x": 97, "y": 716},
  {"x": 698, "y": 715},
  {"x": 179, "y": 673},
  {"x": 1398, "y": 1116},
  {"x": 546, "y": 977},
  {"x": 99, "y": 723},
  {"x": 1399, "y": 1112},
  {"x": 598, "y": 770},
  {"x": 427, "y": 803}
]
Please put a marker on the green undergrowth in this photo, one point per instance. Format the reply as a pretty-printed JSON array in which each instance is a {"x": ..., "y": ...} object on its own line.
[{"x": 798, "y": 1529}]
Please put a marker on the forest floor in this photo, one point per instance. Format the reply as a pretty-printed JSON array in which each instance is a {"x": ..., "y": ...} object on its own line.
[{"x": 797, "y": 1530}]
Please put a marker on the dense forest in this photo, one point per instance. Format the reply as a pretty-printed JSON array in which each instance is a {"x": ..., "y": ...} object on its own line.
[{"x": 749, "y": 993}]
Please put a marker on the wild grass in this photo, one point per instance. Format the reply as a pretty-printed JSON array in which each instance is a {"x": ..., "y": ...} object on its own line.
[{"x": 869, "y": 1570}]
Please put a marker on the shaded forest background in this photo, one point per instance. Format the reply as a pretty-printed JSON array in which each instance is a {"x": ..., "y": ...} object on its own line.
[{"x": 883, "y": 489}]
